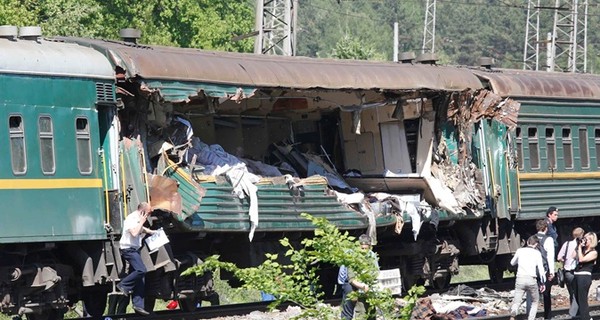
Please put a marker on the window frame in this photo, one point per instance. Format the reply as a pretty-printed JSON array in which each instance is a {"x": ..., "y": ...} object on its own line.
[
  {"x": 17, "y": 134},
  {"x": 83, "y": 135},
  {"x": 584, "y": 148},
  {"x": 47, "y": 135},
  {"x": 568, "y": 141},
  {"x": 533, "y": 140},
  {"x": 551, "y": 145}
]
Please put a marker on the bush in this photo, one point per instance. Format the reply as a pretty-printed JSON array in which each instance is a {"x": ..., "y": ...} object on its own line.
[{"x": 298, "y": 282}]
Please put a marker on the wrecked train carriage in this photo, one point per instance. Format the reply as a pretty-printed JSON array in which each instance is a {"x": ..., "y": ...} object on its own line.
[
  {"x": 553, "y": 157},
  {"x": 409, "y": 135}
]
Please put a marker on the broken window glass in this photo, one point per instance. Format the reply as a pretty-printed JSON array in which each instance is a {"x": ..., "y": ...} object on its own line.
[
  {"x": 84, "y": 148},
  {"x": 17, "y": 144}
]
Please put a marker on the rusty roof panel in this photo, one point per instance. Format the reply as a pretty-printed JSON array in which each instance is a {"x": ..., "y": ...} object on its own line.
[
  {"x": 251, "y": 70},
  {"x": 541, "y": 84}
]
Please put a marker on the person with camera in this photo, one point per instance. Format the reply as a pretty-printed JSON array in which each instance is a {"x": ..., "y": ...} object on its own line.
[
  {"x": 567, "y": 255},
  {"x": 586, "y": 255}
]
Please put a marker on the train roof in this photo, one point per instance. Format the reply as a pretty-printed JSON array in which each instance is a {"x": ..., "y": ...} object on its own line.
[
  {"x": 43, "y": 57},
  {"x": 255, "y": 71},
  {"x": 540, "y": 84}
]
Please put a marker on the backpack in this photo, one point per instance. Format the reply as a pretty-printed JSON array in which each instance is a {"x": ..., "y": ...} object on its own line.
[{"x": 542, "y": 250}]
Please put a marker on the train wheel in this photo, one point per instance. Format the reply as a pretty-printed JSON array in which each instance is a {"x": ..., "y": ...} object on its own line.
[
  {"x": 496, "y": 274},
  {"x": 441, "y": 280},
  {"x": 188, "y": 304},
  {"x": 94, "y": 302}
]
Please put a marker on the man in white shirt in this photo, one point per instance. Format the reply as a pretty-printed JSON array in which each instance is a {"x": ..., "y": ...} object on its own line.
[
  {"x": 530, "y": 271},
  {"x": 130, "y": 245}
]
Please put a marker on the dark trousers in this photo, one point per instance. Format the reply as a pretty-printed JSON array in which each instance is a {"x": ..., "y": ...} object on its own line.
[
  {"x": 347, "y": 304},
  {"x": 134, "y": 281},
  {"x": 547, "y": 300},
  {"x": 570, "y": 284},
  {"x": 582, "y": 287}
]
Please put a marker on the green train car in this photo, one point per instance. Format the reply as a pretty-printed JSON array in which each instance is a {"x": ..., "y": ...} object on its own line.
[{"x": 442, "y": 165}]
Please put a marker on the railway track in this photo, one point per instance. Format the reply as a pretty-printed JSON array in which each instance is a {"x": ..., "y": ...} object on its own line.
[{"x": 211, "y": 312}]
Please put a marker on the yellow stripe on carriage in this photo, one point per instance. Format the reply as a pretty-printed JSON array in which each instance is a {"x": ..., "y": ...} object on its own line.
[
  {"x": 558, "y": 175},
  {"x": 49, "y": 183}
]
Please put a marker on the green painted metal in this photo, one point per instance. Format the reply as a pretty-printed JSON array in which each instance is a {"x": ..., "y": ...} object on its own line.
[
  {"x": 173, "y": 90},
  {"x": 64, "y": 212},
  {"x": 495, "y": 134},
  {"x": 133, "y": 173},
  {"x": 575, "y": 197},
  {"x": 279, "y": 208}
]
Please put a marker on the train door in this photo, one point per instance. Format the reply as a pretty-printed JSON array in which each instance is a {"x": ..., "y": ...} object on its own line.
[{"x": 110, "y": 156}]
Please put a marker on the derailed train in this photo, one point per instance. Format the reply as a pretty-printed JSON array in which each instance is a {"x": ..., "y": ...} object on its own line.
[{"x": 231, "y": 148}]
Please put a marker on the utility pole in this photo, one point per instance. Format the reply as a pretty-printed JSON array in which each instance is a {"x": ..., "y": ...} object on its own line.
[
  {"x": 429, "y": 27},
  {"x": 276, "y": 27},
  {"x": 531, "y": 52}
]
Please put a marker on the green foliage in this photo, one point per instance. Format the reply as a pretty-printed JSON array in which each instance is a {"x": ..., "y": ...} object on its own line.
[
  {"x": 411, "y": 300},
  {"x": 206, "y": 24},
  {"x": 297, "y": 281},
  {"x": 350, "y": 48}
]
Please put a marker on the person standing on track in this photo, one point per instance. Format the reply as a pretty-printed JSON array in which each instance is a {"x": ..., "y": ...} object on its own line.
[
  {"x": 130, "y": 245},
  {"x": 586, "y": 255},
  {"x": 349, "y": 282},
  {"x": 546, "y": 247},
  {"x": 568, "y": 256},
  {"x": 530, "y": 272}
]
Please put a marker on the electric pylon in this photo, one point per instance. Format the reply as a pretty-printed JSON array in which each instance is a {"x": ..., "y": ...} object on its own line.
[
  {"x": 429, "y": 27},
  {"x": 276, "y": 27}
]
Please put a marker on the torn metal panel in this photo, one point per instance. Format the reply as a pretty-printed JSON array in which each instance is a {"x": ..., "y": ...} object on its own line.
[
  {"x": 134, "y": 172},
  {"x": 468, "y": 107},
  {"x": 190, "y": 191}
]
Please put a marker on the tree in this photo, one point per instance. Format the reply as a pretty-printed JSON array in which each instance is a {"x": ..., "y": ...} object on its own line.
[{"x": 206, "y": 24}]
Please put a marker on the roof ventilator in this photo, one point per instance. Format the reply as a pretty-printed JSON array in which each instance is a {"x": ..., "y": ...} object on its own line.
[
  {"x": 9, "y": 32},
  {"x": 130, "y": 35},
  {"x": 486, "y": 62},
  {"x": 30, "y": 33},
  {"x": 407, "y": 57},
  {"x": 427, "y": 58}
]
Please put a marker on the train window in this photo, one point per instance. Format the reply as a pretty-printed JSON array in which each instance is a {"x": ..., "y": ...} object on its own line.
[
  {"x": 17, "y": 144},
  {"x": 551, "y": 146},
  {"x": 46, "y": 132},
  {"x": 567, "y": 143},
  {"x": 583, "y": 148},
  {"x": 597, "y": 142},
  {"x": 519, "y": 139},
  {"x": 534, "y": 152},
  {"x": 84, "y": 146}
]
